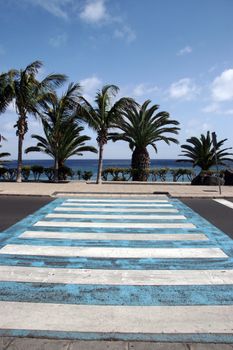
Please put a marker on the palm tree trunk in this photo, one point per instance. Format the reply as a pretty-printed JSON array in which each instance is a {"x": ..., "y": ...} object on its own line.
[
  {"x": 21, "y": 129},
  {"x": 20, "y": 161},
  {"x": 56, "y": 167},
  {"x": 100, "y": 164},
  {"x": 140, "y": 164}
]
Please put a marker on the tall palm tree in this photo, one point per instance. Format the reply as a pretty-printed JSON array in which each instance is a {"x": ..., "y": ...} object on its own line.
[
  {"x": 141, "y": 127},
  {"x": 102, "y": 117},
  {"x": 62, "y": 133},
  {"x": 200, "y": 152},
  {"x": 28, "y": 95}
]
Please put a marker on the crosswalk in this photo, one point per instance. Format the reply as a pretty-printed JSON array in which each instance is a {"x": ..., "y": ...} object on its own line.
[{"x": 117, "y": 268}]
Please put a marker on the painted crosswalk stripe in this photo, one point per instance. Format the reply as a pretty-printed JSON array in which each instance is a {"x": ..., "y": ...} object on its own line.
[
  {"x": 113, "y": 217},
  {"x": 118, "y": 200},
  {"x": 115, "y": 236},
  {"x": 113, "y": 224},
  {"x": 116, "y": 277},
  {"x": 117, "y": 319},
  {"x": 107, "y": 252},
  {"x": 120, "y": 210},
  {"x": 224, "y": 202},
  {"x": 130, "y": 205}
]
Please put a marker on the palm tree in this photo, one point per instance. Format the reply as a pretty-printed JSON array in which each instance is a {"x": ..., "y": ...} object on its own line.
[
  {"x": 3, "y": 154},
  {"x": 200, "y": 152},
  {"x": 103, "y": 117},
  {"x": 62, "y": 133},
  {"x": 28, "y": 95},
  {"x": 141, "y": 127}
]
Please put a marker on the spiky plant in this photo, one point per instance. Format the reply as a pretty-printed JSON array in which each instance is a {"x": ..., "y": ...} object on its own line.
[
  {"x": 200, "y": 152},
  {"x": 28, "y": 95},
  {"x": 103, "y": 117},
  {"x": 62, "y": 138},
  {"x": 144, "y": 126}
]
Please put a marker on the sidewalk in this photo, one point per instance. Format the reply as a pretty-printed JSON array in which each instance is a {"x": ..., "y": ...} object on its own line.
[{"x": 76, "y": 188}]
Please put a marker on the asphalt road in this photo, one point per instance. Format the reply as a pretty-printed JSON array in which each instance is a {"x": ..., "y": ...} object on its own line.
[
  {"x": 15, "y": 208},
  {"x": 219, "y": 215}
]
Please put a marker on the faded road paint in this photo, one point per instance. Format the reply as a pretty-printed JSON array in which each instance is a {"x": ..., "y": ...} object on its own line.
[{"x": 162, "y": 279}]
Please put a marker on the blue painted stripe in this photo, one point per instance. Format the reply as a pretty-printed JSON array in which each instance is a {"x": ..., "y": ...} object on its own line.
[
  {"x": 117, "y": 264},
  {"x": 164, "y": 337},
  {"x": 117, "y": 295}
]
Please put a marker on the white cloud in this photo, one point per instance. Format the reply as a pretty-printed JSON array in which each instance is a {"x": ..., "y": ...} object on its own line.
[
  {"x": 215, "y": 108},
  {"x": 94, "y": 11},
  {"x": 144, "y": 89},
  {"x": 57, "y": 8},
  {"x": 196, "y": 127},
  {"x": 184, "y": 51},
  {"x": 90, "y": 85},
  {"x": 212, "y": 108},
  {"x": 222, "y": 86},
  {"x": 58, "y": 40},
  {"x": 183, "y": 89},
  {"x": 125, "y": 33},
  {"x": 229, "y": 112}
]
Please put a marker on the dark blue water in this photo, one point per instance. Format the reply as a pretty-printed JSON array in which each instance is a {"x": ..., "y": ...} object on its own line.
[{"x": 92, "y": 164}]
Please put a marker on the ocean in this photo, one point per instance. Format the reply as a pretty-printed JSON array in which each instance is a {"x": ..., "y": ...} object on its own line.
[{"x": 92, "y": 164}]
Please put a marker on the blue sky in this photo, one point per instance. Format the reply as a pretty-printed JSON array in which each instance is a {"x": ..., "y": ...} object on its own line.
[{"x": 178, "y": 53}]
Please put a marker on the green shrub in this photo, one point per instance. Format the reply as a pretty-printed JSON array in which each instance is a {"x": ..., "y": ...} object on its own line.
[
  {"x": 3, "y": 172},
  {"x": 87, "y": 175},
  {"x": 159, "y": 174},
  {"x": 26, "y": 172},
  {"x": 49, "y": 172},
  {"x": 116, "y": 174},
  {"x": 37, "y": 171},
  {"x": 11, "y": 174},
  {"x": 79, "y": 174},
  {"x": 64, "y": 172}
]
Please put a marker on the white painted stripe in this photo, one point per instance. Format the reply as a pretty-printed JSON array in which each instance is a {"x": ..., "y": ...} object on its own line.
[
  {"x": 117, "y": 319},
  {"x": 224, "y": 202},
  {"x": 115, "y": 236},
  {"x": 113, "y": 200},
  {"x": 113, "y": 210},
  {"x": 108, "y": 252},
  {"x": 112, "y": 224},
  {"x": 130, "y": 205},
  {"x": 116, "y": 277},
  {"x": 113, "y": 217}
]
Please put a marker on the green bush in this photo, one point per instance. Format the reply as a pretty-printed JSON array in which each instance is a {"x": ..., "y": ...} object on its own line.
[
  {"x": 11, "y": 174},
  {"x": 64, "y": 172},
  {"x": 182, "y": 173},
  {"x": 87, "y": 175},
  {"x": 26, "y": 170},
  {"x": 49, "y": 172},
  {"x": 37, "y": 171},
  {"x": 3, "y": 173},
  {"x": 79, "y": 174},
  {"x": 159, "y": 174},
  {"x": 116, "y": 174}
]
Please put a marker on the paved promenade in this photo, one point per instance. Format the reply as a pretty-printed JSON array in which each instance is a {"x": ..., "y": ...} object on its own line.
[
  {"x": 51, "y": 189},
  {"x": 128, "y": 269}
]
